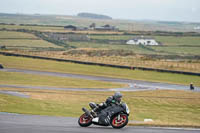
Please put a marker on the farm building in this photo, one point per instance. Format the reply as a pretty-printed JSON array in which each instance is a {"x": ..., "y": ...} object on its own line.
[
  {"x": 142, "y": 41},
  {"x": 70, "y": 27},
  {"x": 106, "y": 27},
  {"x": 2, "y": 47}
]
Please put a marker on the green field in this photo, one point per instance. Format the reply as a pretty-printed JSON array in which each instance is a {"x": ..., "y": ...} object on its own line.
[
  {"x": 20, "y": 40},
  {"x": 38, "y": 28},
  {"x": 45, "y": 65},
  {"x": 158, "y": 50},
  {"x": 171, "y": 45},
  {"x": 16, "y": 35},
  {"x": 135, "y": 49},
  {"x": 166, "y": 40},
  {"x": 13, "y": 78},
  {"x": 173, "y": 40},
  {"x": 165, "y": 107},
  {"x": 111, "y": 37},
  {"x": 178, "y": 50},
  {"x": 26, "y": 43}
]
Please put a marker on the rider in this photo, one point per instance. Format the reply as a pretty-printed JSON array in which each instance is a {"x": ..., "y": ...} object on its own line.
[
  {"x": 115, "y": 99},
  {"x": 112, "y": 100}
]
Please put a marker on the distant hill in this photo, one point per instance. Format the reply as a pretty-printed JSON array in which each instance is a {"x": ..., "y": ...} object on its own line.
[
  {"x": 64, "y": 20},
  {"x": 93, "y": 16}
]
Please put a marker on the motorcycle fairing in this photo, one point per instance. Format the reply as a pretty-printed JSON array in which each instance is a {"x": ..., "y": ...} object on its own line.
[{"x": 106, "y": 114}]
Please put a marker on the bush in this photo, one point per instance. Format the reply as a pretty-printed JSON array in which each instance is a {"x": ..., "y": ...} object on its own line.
[
  {"x": 3, "y": 47},
  {"x": 1, "y": 66}
]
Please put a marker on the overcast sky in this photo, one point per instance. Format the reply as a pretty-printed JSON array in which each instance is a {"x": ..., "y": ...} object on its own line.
[{"x": 170, "y": 10}]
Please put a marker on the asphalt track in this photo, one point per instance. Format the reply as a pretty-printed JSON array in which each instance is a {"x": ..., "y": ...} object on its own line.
[{"x": 17, "y": 123}]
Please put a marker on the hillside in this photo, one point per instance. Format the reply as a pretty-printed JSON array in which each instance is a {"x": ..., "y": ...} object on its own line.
[
  {"x": 93, "y": 16},
  {"x": 130, "y": 25}
]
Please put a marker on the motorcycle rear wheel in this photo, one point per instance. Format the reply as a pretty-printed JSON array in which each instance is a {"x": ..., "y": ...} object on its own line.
[
  {"x": 123, "y": 121},
  {"x": 84, "y": 120}
]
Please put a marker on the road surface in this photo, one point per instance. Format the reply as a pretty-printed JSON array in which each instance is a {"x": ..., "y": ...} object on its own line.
[{"x": 17, "y": 123}]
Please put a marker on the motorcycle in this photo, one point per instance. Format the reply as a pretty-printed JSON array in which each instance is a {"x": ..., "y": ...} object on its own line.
[{"x": 114, "y": 115}]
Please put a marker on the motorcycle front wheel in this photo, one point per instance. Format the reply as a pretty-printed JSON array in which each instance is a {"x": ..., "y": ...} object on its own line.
[
  {"x": 119, "y": 122},
  {"x": 84, "y": 120}
]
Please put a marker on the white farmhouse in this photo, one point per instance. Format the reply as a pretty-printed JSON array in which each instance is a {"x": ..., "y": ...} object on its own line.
[
  {"x": 142, "y": 41},
  {"x": 197, "y": 28}
]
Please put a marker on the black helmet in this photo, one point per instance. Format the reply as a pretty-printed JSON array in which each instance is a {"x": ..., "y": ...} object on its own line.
[{"x": 117, "y": 96}]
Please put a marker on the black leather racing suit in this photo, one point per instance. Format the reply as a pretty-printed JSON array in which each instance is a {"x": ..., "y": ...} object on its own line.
[{"x": 109, "y": 101}]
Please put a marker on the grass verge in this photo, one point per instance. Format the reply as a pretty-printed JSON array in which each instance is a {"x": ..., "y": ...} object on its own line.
[{"x": 14, "y": 78}]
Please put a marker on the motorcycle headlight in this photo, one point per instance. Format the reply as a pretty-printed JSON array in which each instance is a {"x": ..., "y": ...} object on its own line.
[
  {"x": 125, "y": 106},
  {"x": 127, "y": 109}
]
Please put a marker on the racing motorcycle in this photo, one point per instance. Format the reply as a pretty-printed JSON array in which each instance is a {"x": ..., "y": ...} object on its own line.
[{"x": 114, "y": 115}]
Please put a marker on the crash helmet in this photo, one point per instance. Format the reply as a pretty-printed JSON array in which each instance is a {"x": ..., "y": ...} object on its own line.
[{"x": 117, "y": 96}]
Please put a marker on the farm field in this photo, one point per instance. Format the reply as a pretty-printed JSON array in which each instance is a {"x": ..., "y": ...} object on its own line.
[
  {"x": 159, "y": 50},
  {"x": 16, "y": 35},
  {"x": 171, "y": 45},
  {"x": 176, "y": 53},
  {"x": 20, "y": 40},
  {"x": 38, "y": 28},
  {"x": 135, "y": 49},
  {"x": 165, "y": 107},
  {"x": 26, "y": 43},
  {"x": 179, "y": 52},
  {"x": 166, "y": 40}
]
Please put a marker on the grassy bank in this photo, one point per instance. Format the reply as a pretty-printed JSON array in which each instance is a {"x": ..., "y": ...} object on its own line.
[
  {"x": 14, "y": 78},
  {"x": 45, "y": 65},
  {"x": 165, "y": 107}
]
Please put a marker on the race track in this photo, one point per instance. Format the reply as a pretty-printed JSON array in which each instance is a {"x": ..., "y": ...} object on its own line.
[{"x": 17, "y": 123}]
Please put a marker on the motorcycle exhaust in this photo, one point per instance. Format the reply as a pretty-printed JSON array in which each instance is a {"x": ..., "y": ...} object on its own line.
[{"x": 87, "y": 112}]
